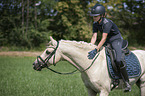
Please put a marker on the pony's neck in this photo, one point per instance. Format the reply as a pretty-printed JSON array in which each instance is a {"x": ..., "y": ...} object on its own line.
[
  {"x": 69, "y": 60},
  {"x": 76, "y": 56}
]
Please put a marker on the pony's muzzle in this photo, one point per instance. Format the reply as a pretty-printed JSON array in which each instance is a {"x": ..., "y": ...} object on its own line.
[{"x": 36, "y": 67}]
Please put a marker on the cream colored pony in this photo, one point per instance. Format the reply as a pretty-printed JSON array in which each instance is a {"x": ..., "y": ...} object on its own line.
[{"x": 96, "y": 77}]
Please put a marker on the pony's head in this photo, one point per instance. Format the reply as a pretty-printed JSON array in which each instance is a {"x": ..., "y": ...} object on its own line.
[
  {"x": 49, "y": 57},
  {"x": 66, "y": 50}
]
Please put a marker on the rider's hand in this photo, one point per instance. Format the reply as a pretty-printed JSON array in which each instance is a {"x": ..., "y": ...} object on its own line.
[{"x": 92, "y": 54}]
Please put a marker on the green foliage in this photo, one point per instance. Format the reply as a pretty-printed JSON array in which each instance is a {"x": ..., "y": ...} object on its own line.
[
  {"x": 1, "y": 38},
  {"x": 66, "y": 19},
  {"x": 71, "y": 21},
  {"x": 130, "y": 19},
  {"x": 37, "y": 37},
  {"x": 11, "y": 32}
]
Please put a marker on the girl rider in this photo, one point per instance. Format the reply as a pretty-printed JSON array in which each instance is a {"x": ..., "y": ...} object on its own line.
[{"x": 110, "y": 34}]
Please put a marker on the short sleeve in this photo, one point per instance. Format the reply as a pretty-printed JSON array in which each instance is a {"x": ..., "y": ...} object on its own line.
[
  {"x": 95, "y": 28},
  {"x": 107, "y": 27}
]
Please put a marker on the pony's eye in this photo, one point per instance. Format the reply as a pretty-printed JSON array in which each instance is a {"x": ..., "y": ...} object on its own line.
[{"x": 47, "y": 52}]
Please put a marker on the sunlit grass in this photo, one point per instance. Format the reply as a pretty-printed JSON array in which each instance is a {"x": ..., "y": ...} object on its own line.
[{"x": 17, "y": 78}]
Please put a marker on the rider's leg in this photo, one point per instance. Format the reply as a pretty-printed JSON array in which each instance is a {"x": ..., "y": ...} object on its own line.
[
  {"x": 117, "y": 45},
  {"x": 124, "y": 75}
]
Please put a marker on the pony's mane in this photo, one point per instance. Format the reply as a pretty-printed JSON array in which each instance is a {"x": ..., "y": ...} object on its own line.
[{"x": 79, "y": 44}]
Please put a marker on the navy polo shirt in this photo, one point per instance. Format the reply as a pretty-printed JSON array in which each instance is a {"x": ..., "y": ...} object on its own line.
[{"x": 107, "y": 26}]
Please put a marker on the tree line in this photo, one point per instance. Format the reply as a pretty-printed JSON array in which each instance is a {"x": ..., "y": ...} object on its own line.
[{"x": 29, "y": 23}]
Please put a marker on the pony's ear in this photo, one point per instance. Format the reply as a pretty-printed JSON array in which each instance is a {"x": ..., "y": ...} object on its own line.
[
  {"x": 54, "y": 42},
  {"x": 48, "y": 44}
]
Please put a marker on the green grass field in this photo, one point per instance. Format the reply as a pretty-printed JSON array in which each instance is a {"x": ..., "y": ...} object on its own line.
[{"x": 17, "y": 78}]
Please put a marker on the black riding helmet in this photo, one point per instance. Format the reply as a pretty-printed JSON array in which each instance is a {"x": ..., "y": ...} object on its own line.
[{"x": 98, "y": 9}]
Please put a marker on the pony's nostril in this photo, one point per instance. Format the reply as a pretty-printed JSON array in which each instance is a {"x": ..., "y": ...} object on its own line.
[{"x": 34, "y": 63}]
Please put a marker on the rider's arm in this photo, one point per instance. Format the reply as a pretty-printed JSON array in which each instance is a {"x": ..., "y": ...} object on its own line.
[
  {"x": 94, "y": 38},
  {"x": 104, "y": 37},
  {"x": 106, "y": 29}
]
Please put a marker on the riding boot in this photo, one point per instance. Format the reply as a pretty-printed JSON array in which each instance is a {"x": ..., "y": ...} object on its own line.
[{"x": 125, "y": 78}]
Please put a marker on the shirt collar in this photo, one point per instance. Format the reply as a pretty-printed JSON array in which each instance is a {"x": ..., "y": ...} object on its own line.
[{"x": 100, "y": 23}]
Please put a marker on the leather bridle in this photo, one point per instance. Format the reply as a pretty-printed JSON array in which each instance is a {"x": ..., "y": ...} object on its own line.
[{"x": 44, "y": 62}]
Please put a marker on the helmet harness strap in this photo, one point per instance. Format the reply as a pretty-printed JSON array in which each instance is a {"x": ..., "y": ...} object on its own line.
[{"x": 99, "y": 19}]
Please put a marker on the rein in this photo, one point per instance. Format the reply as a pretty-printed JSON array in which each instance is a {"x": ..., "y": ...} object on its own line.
[
  {"x": 53, "y": 53},
  {"x": 91, "y": 63}
]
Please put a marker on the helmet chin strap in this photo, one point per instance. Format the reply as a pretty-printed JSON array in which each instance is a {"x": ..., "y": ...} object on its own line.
[{"x": 99, "y": 19}]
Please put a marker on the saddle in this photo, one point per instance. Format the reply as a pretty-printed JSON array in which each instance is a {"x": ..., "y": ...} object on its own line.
[
  {"x": 112, "y": 54},
  {"x": 132, "y": 63}
]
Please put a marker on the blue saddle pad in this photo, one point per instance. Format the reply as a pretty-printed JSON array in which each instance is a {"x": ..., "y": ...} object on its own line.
[{"x": 132, "y": 66}]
